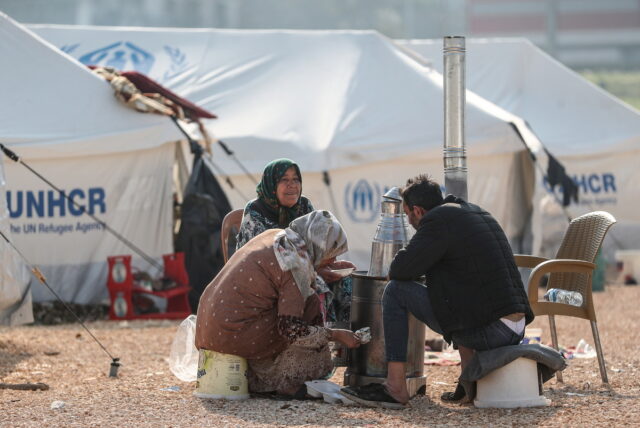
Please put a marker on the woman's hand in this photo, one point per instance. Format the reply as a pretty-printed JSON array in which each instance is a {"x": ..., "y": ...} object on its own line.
[
  {"x": 326, "y": 272},
  {"x": 328, "y": 275},
  {"x": 346, "y": 337},
  {"x": 342, "y": 264}
]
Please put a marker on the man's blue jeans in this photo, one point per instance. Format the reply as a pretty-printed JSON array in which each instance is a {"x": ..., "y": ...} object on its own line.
[{"x": 401, "y": 298}]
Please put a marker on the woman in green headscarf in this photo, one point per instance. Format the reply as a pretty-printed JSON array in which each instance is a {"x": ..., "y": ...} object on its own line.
[{"x": 279, "y": 202}]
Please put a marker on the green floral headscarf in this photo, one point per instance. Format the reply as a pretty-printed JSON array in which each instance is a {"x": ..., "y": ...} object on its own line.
[{"x": 266, "y": 190}]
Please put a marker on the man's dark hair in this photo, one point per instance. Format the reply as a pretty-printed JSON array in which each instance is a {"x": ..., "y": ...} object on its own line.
[{"x": 422, "y": 191}]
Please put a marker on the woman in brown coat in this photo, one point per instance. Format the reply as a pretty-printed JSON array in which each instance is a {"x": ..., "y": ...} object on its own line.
[{"x": 262, "y": 305}]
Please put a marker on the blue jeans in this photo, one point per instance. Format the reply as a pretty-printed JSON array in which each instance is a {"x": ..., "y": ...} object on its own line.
[
  {"x": 491, "y": 336},
  {"x": 402, "y": 298}
]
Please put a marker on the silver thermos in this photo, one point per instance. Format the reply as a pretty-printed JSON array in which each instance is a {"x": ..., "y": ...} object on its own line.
[
  {"x": 367, "y": 363},
  {"x": 391, "y": 234}
]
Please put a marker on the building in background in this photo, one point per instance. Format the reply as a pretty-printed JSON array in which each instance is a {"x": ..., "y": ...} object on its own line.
[{"x": 580, "y": 33}]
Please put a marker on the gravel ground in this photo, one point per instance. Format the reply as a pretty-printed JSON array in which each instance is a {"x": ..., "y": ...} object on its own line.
[{"x": 75, "y": 368}]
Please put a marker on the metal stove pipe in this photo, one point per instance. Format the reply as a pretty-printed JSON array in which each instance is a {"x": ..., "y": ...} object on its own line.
[{"x": 455, "y": 157}]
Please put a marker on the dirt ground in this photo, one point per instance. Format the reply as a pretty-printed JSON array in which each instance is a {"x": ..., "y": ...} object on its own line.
[{"x": 147, "y": 394}]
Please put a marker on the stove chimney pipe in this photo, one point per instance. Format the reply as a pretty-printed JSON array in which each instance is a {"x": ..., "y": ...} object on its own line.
[{"x": 455, "y": 157}]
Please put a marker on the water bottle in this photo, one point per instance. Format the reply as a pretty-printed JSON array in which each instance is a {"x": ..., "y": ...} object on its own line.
[
  {"x": 572, "y": 298},
  {"x": 120, "y": 305}
]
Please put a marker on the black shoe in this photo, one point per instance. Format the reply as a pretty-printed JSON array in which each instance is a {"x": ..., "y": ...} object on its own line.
[
  {"x": 372, "y": 395},
  {"x": 458, "y": 395}
]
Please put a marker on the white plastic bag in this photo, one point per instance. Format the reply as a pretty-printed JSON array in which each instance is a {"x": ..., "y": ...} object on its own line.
[{"x": 183, "y": 359}]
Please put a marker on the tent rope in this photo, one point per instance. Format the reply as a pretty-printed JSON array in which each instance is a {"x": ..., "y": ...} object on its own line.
[
  {"x": 36, "y": 272},
  {"x": 230, "y": 153},
  {"x": 195, "y": 148}
]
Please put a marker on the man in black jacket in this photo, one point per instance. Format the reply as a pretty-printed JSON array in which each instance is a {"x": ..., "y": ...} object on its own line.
[{"x": 473, "y": 295}]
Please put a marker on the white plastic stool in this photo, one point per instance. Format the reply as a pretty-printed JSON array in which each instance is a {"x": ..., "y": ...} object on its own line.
[{"x": 514, "y": 385}]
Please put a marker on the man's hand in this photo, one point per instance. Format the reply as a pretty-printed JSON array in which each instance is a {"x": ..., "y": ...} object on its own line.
[{"x": 346, "y": 337}]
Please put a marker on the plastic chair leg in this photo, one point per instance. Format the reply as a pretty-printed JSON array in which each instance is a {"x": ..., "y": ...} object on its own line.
[
  {"x": 596, "y": 339},
  {"x": 554, "y": 341}
]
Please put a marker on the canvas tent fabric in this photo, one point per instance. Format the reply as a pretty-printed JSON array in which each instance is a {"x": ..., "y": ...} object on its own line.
[
  {"x": 595, "y": 135},
  {"x": 15, "y": 289},
  {"x": 315, "y": 95},
  {"x": 76, "y": 112},
  {"x": 65, "y": 122},
  {"x": 347, "y": 102}
]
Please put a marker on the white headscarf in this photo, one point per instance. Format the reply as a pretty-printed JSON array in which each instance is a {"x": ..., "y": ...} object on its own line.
[{"x": 307, "y": 241}]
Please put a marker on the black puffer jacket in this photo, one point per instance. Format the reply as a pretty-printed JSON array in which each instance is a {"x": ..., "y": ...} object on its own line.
[{"x": 471, "y": 274}]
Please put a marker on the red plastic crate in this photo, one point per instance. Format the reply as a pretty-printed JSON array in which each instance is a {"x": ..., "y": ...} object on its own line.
[{"x": 122, "y": 288}]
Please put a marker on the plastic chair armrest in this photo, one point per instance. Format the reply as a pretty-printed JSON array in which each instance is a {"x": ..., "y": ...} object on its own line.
[
  {"x": 556, "y": 265},
  {"x": 526, "y": 261}
]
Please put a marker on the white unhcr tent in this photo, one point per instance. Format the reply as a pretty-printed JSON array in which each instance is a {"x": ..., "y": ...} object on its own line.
[
  {"x": 347, "y": 102},
  {"x": 595, "y": 135},
  {"x": 66, "y": 124}
]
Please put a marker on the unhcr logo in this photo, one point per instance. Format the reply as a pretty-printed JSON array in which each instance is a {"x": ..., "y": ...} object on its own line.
[
  {"x": 49, "y": 204},
  {"x": 125, "y": 56},
  {"x": 595, "y": 189},
  {"x": 362, "y": 201},
  {"x": 121, "y": 56},
  {"x": 591, "y": 183}
]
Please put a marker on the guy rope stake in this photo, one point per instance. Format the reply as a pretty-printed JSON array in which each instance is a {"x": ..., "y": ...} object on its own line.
[
  {"x": 113, "y": 370},
  {"x": 14, "y": 157}
]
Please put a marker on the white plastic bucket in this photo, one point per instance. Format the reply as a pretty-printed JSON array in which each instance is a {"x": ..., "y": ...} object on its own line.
[
  {"x": 221, "y": 376},
  {"x": 514, "y": 385}
]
